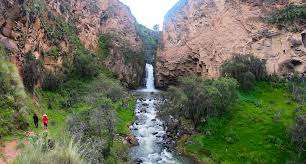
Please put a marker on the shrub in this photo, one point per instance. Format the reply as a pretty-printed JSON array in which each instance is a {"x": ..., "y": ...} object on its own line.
[
  {"x": 297, "y": 88},
  {"x": 199, "y": 99},
  {"x": 104, "y": 45},
  {"x": 289, "y": 16},
  {"x": 31, "y": 72},
  {"x": 52, "y": 80},
  {"x": 245, "y": 68},
  {"x": 54, "y": 52},
  {"x": 85, "y": 64},
  {"x": 298, "y": 134},
  {"x": 12, "y": 98},
  {"x": 86, "y": 128}
]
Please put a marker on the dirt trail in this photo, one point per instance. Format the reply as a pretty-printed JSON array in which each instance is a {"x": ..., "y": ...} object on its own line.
[{"x": 9, "y": 152}]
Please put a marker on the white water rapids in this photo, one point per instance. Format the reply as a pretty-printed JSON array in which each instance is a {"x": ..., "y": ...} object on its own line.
[{"x": 148, "y": 129}]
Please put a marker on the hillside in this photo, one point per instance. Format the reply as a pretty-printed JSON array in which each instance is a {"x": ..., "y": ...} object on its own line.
[
  {"x": 199, "y": 35},
  {"x": 52, "y": 30}
]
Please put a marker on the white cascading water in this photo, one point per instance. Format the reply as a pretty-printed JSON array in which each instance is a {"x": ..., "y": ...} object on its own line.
[
  {"x": 147, "y": 128},
  {"x": 150, "y": 87}
]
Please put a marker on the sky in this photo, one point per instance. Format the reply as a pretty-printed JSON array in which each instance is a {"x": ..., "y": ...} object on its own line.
[{"x": 150, "y": 12}]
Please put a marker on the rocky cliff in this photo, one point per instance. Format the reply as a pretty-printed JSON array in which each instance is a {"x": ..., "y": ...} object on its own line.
[
  {"x": 56, "y": 27},
  {"x": 199, "y": 35}
]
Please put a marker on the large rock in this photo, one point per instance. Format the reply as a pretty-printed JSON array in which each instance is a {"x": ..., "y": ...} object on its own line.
[
  {"x": 8, "y": 27},
  {"x": 132, "y": 140},
  {"x": 199, "y": 35}
]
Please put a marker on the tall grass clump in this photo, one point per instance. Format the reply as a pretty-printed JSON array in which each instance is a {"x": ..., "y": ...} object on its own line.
[{"x": 41, "y": 150}]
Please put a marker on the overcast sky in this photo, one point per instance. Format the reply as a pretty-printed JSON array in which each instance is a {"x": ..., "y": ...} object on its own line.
[{"x": 150, "y": 12}]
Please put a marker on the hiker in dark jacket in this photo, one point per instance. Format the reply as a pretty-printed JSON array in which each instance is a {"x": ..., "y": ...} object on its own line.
[{"x": 35, "y": 119}]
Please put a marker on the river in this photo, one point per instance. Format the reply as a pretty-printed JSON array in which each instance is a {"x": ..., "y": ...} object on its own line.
[{"x": 148, "y": 129}]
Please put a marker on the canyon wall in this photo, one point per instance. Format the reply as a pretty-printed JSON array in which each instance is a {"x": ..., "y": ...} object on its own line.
[
  {"x": 39, "y": 26},
  {"x": 199, "y": 35}
]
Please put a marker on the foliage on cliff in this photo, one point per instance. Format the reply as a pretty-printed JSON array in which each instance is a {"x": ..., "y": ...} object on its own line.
[
  {"x": 150, "y": 39},
  {"x": 292, "y": 17}
]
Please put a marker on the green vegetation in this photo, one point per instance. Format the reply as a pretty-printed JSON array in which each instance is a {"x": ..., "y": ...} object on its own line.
[
  {"x": 265, "y": 125},
  {"x": 32, "y": 69},
  {"x": 132, "y": 57},
  {"x": 254, "y": 131},
  {"x": 14, "y": 104},
  {"x": 290, "y": 17},
  {"x": 92, "y": 111},
  {"x": 150, "y": 39},
  {"x": 104, "y": 45},
  {"x": 83, "y": 101},
  {"x": 54, "y": 52},
  {"x": 197, "y": 99},
  {"x": 246, "y": 69},
  {"x": 52, "y": 80},
  {"x": 42, "y": 150}
]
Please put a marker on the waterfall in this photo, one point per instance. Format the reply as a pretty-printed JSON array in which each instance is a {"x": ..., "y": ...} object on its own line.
[
  {"x": 148, "y": 128},
  {"x": 150, "y": 87},
  {"x": 150, "y": 77}
]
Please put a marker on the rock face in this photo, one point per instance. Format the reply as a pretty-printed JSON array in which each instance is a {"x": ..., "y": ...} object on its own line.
[
  {"x": 24, "y": 28},
  {"x": 199, "y": 35}
]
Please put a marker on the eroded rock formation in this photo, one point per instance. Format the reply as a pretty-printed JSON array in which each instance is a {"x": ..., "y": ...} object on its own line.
[
  {"x": 199, "y": 35},
  {"x": 28, "y": 26}
]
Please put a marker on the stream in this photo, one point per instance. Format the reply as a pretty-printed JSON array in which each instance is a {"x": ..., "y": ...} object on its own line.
[{"x": 148, "y": 129}]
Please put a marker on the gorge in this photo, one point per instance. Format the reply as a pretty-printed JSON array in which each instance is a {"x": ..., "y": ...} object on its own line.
[{"x": 223, "y": 82}]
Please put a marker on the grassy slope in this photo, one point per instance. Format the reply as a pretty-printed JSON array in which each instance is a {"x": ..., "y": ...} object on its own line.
[
  {"x": 254, "y": 131},
  {"x": 51, "y": 103}
]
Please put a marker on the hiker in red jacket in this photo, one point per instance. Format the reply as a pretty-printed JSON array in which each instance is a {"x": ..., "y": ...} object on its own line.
[{"x": 45, "y": 121}]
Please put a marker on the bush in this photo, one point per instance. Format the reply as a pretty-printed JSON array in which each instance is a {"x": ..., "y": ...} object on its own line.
[
  {"x": 86, "y": 128},
  {"x": 104, "y": 45},
  {"x": 32, "y": 69},
  {"x": 298, "y": 134},
  {"x": 86, "y": 65},
  {"x": 12, "y": 98},
  {"x": 52, "y": 80},
  {"x": 246, "y": 69},
  {"x": 54, "y": 52},
  {"x": 297, "y": 88},
  {"x": 199, "y": 99}
]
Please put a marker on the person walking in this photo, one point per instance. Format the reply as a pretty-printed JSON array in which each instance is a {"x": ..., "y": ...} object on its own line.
[
  {"x": 45, "y": 121},
  {"x": 35, "y": 119}
]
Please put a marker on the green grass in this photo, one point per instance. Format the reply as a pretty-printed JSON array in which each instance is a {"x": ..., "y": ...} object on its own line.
[
  {"x": 254, "y": 131},
  {"x": 126, "y": 117}
]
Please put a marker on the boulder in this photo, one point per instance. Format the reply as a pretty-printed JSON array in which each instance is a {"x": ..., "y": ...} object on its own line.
[
  {"x": 7, "y": 29},
  {"x": 8, "y": 43},
  {"x": 132, "y": 140},
  {"x": 137, "y": 161}
]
